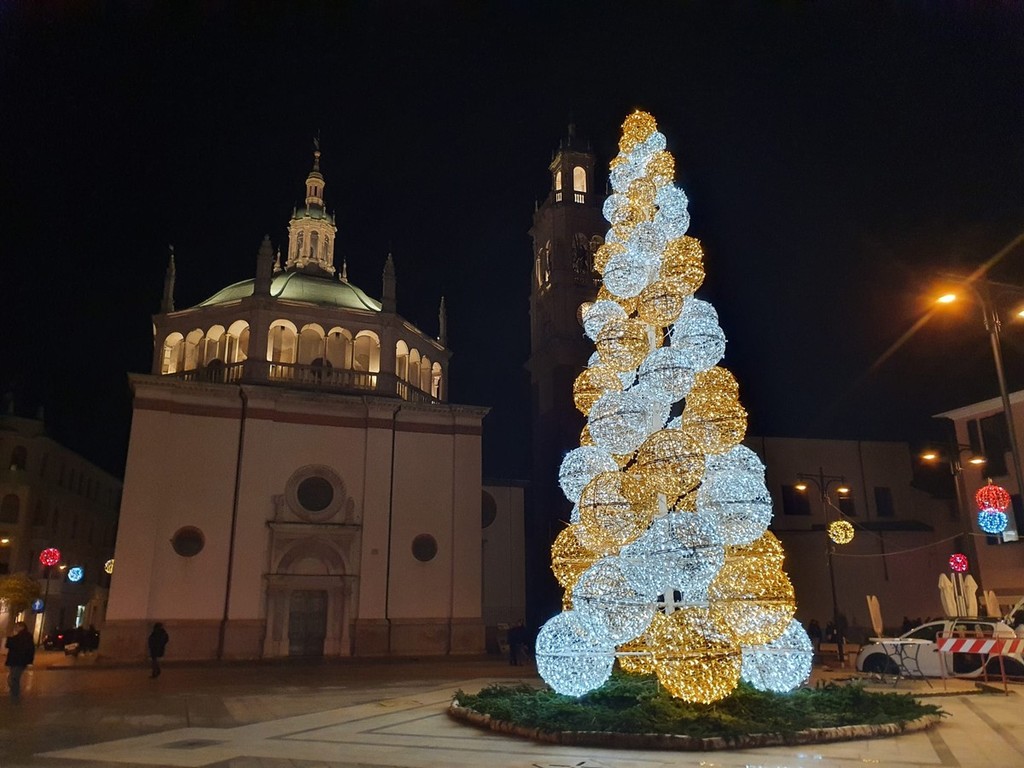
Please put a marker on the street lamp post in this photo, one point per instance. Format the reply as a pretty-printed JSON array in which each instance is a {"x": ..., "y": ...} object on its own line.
[
  {"x": 823, "y": 482},
  {"x": 953, "y": 456},
  {"x": 982, "y": 290}
]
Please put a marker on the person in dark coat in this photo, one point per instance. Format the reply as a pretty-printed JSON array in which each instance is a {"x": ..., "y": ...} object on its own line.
[
  {"x": 21, "y": 652},
  {"x": 516, "y": 641},
  {"x": 157, "y": 643}
]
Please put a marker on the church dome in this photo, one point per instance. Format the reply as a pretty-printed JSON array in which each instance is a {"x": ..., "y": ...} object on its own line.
[{"x": 320, "y": 290}]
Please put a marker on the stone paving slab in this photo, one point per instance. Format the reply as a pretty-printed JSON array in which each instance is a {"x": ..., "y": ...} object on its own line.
[{"x": 391, "y": 714}]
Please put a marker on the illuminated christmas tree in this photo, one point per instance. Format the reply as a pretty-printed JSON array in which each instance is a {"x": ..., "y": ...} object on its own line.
[{"x": 668, "y": 564}]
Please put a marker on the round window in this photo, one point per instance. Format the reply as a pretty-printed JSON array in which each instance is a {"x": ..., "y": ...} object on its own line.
[
  {"x": 315, "y": 494},
  {"x": 188, "y": 541},
  {"x": 488, "y": 510},
  {"x": 424, "y": 547}
]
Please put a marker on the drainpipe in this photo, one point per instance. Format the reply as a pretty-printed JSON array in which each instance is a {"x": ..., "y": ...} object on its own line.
[
  {"x": 391, "y": 506},
  {"x": 234, "y": 522},
  {"x": 451, "y": 555}
]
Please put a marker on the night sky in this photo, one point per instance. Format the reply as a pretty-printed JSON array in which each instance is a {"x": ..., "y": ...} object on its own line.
[{"x": 836, "y": 155}]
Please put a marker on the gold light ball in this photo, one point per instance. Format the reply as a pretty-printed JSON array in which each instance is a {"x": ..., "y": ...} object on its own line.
[
  {"x": 636, "y": 129},
  {"x": 108, "y": 567},
  {"x": 840, "y": 531},
  {"x": 670, "y": 461},
  {"x": 605, "y": 252},
  {"x": 713, "y": 414},
  {"x": 627, "y": 304},
  {"x": 585, "y": 437},
  {"x": 693, "y": 660},
  {"x": 751, "y": 601},
  {"x": 637, "y": 657},
  {"x": 661, "y": 168},
  {"x": 569, "y": 558},
  {"x": 615, "y": 509},
  {"x": 661, "y": 302},
  {"x": 622, "y": 343},
  {"x": 642, "y": 192},
  {"x": 683, "y": 260},
  {"x": 767, "y": 547},
  {"x": 593, "y": 383}
]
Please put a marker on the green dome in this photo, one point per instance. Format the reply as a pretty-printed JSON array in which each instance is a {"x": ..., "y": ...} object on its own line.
[{"x": 301, "y": 286}]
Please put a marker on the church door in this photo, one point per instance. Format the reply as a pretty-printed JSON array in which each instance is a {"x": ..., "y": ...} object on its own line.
[{"x": 307, "y": 622}]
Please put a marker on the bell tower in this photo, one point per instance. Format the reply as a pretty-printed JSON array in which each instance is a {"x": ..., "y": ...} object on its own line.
[{"x": 567, "y": 228}]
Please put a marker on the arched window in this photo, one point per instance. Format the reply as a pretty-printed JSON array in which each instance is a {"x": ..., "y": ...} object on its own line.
[
  {"x": 299, "y": 240},
  {"x": 424, "y": 377},
  {"x": 366, "y": 355},
  {"x": 18, "y": 457},
  {"x": 281, "y": 342},
  {"x": 314, "y": 243},
  {"x": 212, "y": 345},
  {"x": 435, "y": 381},
  {"x": 558, "y": 181},
  {"x": 579, "y": 179},
  {"x": 413, "y": 374},
  {"x": 9, "y": 508},
  {"x": 402, "y": 360},
  {"x": 236, "y": 342},
  {"x": 339, "y": 348},
  {"x": 326, "y": 249},
  {"x": 174, "y": 354},
  {"x": 191, "y": 357},
  {"x": 311, "y": 344}
]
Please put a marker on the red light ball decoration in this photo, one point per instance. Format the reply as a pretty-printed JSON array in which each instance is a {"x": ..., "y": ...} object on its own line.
[
  {"x": 992, "y": 497},
  {"x": 49, "y": 556},
  {"x": 958, "y": 562}
]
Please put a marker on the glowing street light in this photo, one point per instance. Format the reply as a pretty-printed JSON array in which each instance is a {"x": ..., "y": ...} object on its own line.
[{"x": 982, "y": 289}]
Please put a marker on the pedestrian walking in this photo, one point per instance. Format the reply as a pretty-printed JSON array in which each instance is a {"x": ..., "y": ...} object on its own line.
[
  {"x": 157, "y": 643},
  {"x": 21, "y": 652},
  {"x": 516, "y": 640}
]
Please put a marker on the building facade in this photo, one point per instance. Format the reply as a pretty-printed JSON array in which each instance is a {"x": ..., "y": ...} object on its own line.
[
  {"x": 981, "y": 429},
  {"x": 297, "y": 482},
  {"x": 51, "y": 497}
]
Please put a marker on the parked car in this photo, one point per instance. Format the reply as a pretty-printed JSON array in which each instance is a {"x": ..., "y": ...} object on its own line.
[
  {"x": 918, "y": 653},
  {"x": 59, "y": 638}
]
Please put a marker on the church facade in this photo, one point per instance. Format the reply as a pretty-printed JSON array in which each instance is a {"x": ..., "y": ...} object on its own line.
[{"x": 297, "y": 482}]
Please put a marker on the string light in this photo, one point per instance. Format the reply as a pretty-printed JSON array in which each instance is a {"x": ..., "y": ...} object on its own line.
[{"x": 569, "y": 658}]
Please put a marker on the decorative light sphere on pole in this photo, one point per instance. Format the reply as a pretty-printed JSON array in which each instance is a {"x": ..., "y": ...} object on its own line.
[
  {"x": 108, "y": 567},
  {"x": 840, "y": 531},
  {"x": 49, "y": 556},
  {"x": 992, "y": 497},
  {"x": 958, "y": 562},
  {"x": 992, "y": 520},
  {"x": 75, "y": 574}
]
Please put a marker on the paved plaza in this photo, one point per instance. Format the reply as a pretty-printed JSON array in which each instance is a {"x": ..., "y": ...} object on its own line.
[{"x": 384, "y": 714}]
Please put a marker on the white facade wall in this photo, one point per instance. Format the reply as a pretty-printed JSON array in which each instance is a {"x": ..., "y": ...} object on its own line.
[{"x": 398, "y": 471}]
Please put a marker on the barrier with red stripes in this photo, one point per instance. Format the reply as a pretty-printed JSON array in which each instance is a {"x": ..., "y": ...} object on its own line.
[{"x": 986, "y": 645}]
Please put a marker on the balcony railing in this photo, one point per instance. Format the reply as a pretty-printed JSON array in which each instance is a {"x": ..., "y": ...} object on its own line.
[{"x": 313, "y": 377}]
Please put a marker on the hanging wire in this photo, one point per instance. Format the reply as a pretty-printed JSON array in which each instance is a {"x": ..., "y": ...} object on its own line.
[{"x": 893, "y": 553}]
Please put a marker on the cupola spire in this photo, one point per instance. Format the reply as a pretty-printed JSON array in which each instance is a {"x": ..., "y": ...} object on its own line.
[
  {"x": 388, "y": 302},
  {"x": 167, "y": 303},
  {"x": 312, "y": 229}
]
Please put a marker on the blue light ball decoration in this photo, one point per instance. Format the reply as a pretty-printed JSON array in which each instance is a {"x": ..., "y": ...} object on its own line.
[
  {"x": 992, "y": 520},
  {"x": 38, "y": 605},
  {"x": 75, "y": 574}
]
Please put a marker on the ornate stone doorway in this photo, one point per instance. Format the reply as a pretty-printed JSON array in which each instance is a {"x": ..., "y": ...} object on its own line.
[{"x": 307, "y": 622}]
